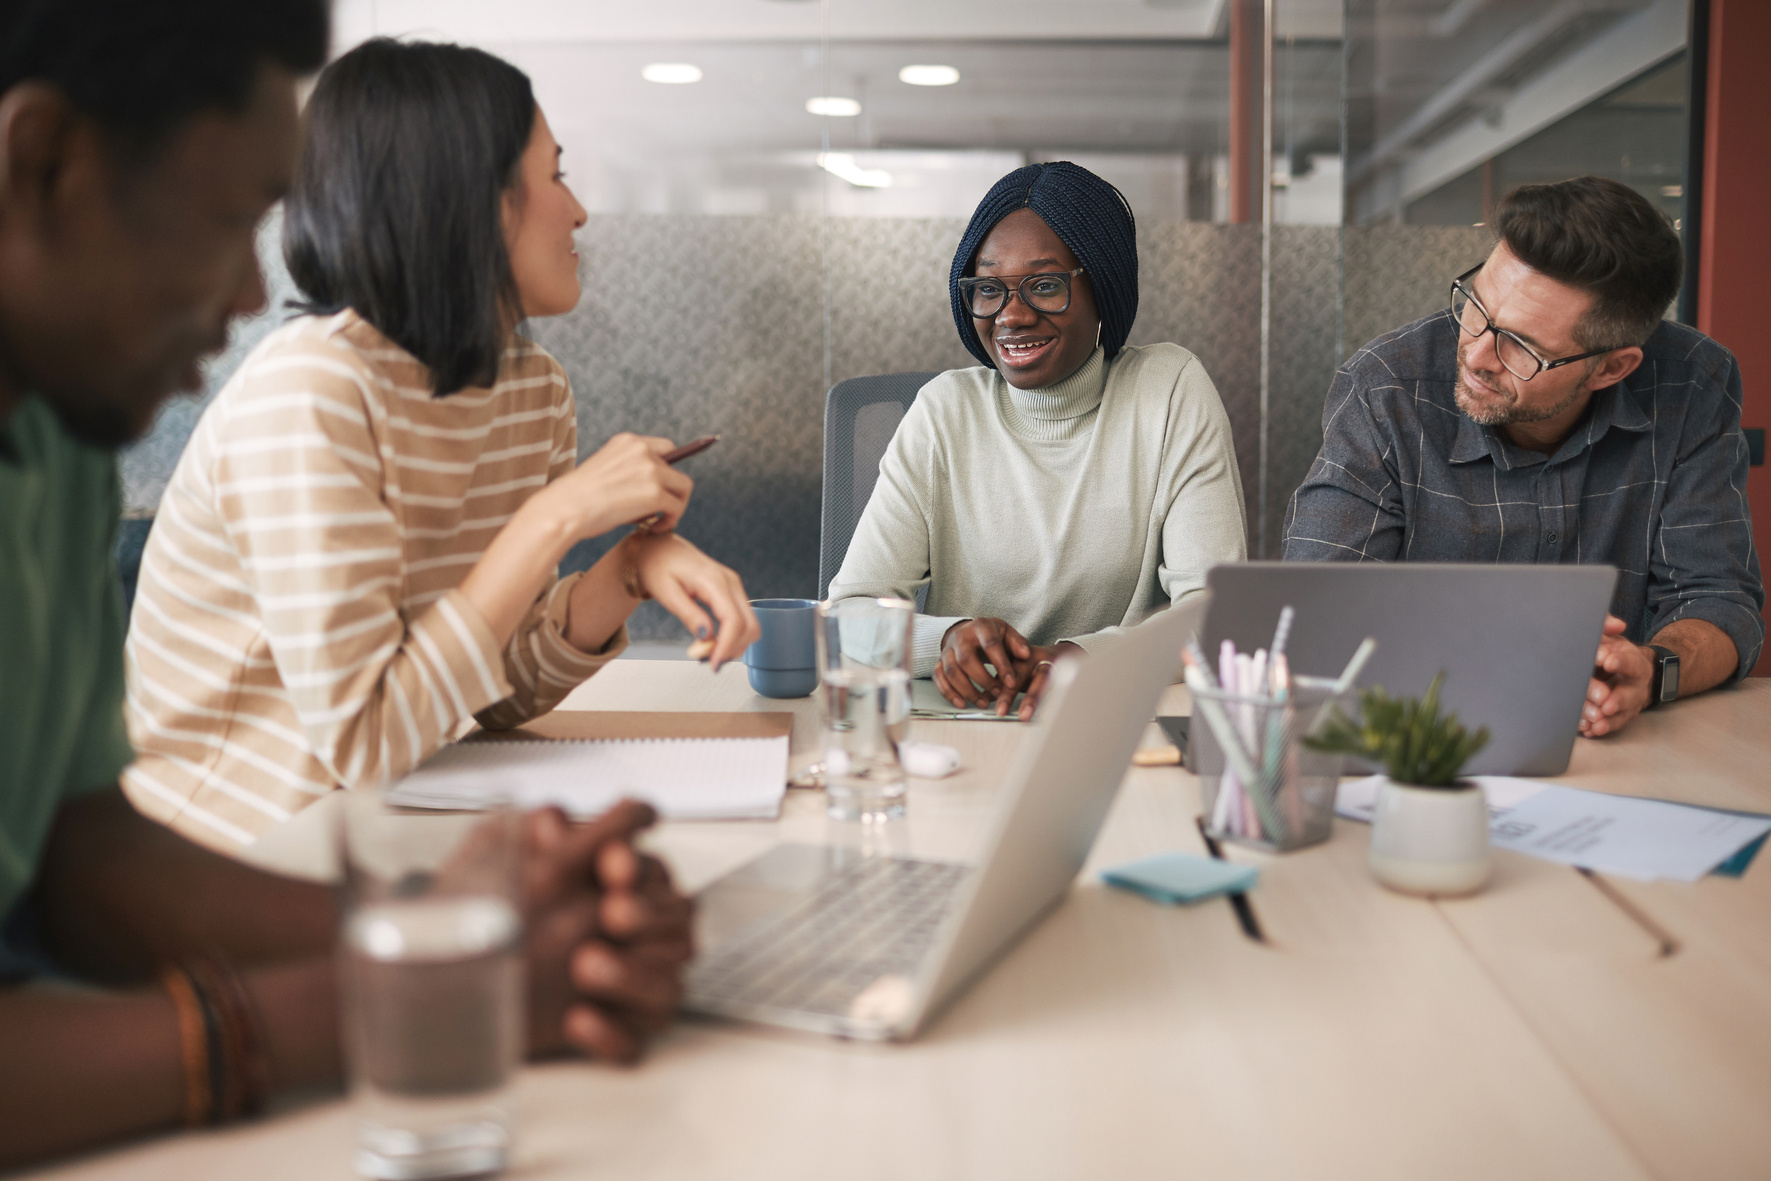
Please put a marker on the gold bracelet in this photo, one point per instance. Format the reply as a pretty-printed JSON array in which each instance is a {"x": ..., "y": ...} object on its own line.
[{"x": 630, "y": 574}]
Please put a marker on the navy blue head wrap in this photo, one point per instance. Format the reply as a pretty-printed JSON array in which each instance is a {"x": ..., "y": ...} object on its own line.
[{"x": 1089, "y": 215}]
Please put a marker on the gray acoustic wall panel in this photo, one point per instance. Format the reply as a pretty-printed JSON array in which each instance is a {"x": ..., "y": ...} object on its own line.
[
  {"x": 1399, "y": 273},
  {"x": 738, "y": 326}
]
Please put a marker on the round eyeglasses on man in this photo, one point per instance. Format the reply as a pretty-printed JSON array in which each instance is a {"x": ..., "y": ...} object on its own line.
[
  {"x": 1048, "y": 291},
  {"x": 1519, "y": 358}
]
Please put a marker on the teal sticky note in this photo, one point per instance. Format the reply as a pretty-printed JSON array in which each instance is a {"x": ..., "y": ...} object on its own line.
[{"x": 1181, "y": 877}]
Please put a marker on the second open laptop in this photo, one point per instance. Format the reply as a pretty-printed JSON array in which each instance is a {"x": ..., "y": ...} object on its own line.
[
  {"x": 827, "y": 940},
  {"x": 1516, "y": 642}
]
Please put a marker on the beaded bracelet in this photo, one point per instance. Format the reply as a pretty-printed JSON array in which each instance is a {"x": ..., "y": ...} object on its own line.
[
  {"x": 245, "y": 1072},
  {"x": 193, "y": 1038},
  {"x": 227, "y": 1072}
]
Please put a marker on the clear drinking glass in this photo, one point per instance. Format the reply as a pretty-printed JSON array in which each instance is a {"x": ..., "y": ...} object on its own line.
[
  {"x": 864, "y": 673},
  {"x": 1276, "y": 793},
  {"x": 432, "y": 976}
]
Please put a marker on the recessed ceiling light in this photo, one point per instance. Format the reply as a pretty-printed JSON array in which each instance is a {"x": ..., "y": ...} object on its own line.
[
  {"x": 928, "y": 75},
  {"x": 671, "y": 73},
  {"x": 843, "y": 164},
  {"x": 840, "y": 108}
]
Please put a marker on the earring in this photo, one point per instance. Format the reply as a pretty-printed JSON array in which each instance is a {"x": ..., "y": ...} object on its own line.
[{"x": 1097, "y": 334}]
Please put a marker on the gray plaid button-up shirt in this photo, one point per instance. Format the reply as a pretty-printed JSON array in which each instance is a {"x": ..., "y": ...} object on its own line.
[{"x": 1652, "y": 481}]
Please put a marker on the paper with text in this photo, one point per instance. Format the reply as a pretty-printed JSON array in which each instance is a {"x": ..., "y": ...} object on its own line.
[
  {"x": 1633, "y": 838},
  {"x": 1623, "y": 835}
]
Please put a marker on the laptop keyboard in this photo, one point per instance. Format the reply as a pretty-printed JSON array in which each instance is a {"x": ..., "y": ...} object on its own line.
[{"x": 817, "y": 955}]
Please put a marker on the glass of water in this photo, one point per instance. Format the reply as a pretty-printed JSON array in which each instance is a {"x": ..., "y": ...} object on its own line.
[
  {"x": 864, "y": 673},
  {"x": 433, "y": 986}
]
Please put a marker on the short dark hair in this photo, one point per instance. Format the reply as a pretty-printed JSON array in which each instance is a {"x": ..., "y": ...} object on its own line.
[
  {"x": 141, "y": 68},
  {"x": 1605, "y": 238},
  {"x": 397, "y": 206}
]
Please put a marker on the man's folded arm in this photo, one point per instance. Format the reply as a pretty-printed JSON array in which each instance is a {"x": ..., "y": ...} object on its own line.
[{"x": 119, "y": 894}]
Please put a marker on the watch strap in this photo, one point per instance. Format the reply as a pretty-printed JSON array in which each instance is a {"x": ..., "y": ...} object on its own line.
[{"x": 1657, "y": 687}]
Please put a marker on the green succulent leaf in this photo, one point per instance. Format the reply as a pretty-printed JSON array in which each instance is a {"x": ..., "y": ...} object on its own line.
[{"x": 1409, "y": 737}]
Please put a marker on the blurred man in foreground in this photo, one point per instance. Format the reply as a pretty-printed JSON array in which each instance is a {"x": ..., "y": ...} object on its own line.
[{"x": 140, "y": 146}]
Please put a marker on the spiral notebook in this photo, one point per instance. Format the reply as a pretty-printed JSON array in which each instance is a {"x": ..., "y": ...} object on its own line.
[{"x": 690, "y": 766}]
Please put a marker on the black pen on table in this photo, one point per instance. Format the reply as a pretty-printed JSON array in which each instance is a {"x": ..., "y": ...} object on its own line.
[{"x": 1251, "y": 926}]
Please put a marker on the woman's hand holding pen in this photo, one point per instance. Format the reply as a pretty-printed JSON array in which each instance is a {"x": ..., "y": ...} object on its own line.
[
  {"x": 627, "y": 479},
  {"x": 630, "y": 480}
]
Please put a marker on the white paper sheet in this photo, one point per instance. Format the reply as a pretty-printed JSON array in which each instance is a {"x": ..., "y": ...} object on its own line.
[
  {"x": 1357, "y": 798},
  {"x": 1623, "y": 835},
  {"x": 684, "y": 778}
]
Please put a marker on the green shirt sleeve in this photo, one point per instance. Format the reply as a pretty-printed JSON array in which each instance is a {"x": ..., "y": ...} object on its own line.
[{"x": 102, "y": 749}]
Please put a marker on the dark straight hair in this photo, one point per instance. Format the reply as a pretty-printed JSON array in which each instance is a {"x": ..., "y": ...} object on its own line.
[{"x": 397, "y": 210}]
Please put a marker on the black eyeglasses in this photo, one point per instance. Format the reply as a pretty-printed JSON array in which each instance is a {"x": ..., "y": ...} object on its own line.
[
  {"x": 1047, "y": 292},
  {"x": 1519, "y": 358}
]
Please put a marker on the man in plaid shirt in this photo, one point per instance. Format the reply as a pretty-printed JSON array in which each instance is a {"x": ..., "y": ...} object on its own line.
[{"x": 1551, "y": 415}]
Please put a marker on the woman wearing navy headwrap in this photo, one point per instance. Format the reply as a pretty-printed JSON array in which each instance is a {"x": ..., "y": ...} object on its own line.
[{"x": 1074, "y": 483}]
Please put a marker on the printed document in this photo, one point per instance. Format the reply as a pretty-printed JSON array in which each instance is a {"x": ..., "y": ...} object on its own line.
[{"x": 1622, "y": 835}]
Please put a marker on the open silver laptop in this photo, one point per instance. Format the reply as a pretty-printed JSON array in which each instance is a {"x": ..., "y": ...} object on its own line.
[
  {"x": 827, "y": 940},
  {"x": 1516, "y": 642}
]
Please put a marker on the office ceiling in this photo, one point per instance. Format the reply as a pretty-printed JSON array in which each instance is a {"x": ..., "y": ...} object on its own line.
[
  {"x": 1037, "y": 77},
  {"x": 512, "y": 21}
]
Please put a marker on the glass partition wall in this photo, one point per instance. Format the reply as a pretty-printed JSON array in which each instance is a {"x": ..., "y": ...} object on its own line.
[{"x": 776, "y": 187}]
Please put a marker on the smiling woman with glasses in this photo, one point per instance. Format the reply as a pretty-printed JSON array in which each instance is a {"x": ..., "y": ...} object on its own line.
[{"x": 1071, "y": 484}]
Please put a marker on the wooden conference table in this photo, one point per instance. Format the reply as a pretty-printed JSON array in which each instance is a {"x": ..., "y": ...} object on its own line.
[{"x": 1558, "y": 1025}]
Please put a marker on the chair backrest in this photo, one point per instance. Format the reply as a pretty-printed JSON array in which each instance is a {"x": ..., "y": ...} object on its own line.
[
  {"x": 132, "y": 539},
  {"x": 860, "y": 417}
]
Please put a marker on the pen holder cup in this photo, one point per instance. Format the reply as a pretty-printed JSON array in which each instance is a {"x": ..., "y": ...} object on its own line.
[{"x": 1272, "y": 793}]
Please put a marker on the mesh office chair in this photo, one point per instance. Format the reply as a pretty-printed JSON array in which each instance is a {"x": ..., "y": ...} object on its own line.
[
  {"x": 860, "y": 416},
  {"x": 132, "y": 539}
]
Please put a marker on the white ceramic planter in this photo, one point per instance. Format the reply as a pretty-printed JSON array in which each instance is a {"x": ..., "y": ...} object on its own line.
[{"x": 1430, "y": 840}]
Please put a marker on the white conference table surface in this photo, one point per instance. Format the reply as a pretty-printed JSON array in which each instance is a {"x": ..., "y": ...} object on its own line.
[{"x": 1557, "y": 1025}]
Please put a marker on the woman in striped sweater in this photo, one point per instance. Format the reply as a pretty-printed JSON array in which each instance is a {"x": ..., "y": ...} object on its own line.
[{"x": 356, "y": 555}]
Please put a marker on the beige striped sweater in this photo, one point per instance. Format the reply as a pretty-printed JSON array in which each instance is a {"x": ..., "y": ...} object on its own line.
[{"x": 297, "y": 626}]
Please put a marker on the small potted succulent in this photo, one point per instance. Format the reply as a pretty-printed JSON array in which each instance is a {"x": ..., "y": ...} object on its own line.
[{"x": 1429, "y": 834}]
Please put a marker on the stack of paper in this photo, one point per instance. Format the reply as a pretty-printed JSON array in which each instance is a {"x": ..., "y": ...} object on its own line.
[
  {"x": 684, "y": 778},
  {"x": 1623, "y": 835}
]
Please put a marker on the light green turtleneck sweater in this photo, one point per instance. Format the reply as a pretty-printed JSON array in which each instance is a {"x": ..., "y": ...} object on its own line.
[{"x": 1068, "y": 511}]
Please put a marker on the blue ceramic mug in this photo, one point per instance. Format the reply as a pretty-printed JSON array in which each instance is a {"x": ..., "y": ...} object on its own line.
[{"x": 784, "y": 661}]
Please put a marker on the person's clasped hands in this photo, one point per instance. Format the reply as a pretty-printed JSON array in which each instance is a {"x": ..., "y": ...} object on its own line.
[
  {"x": 606, "y": 932},
  {"x": 985, "y": 663}
]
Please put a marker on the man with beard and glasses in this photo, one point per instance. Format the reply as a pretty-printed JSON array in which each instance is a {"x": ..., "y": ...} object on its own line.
[
  {"x": 140, "y": 146},
  {"x": 1550, "y": 414}
]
